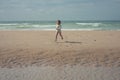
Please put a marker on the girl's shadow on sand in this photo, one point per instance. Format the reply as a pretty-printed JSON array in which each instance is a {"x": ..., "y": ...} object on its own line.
[{"x": 73, "y": 42}]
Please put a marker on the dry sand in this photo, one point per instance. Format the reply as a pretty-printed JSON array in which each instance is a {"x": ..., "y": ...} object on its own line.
[
  {"x": 63, "y": 73},
  {"x": 81, "y": 53}
]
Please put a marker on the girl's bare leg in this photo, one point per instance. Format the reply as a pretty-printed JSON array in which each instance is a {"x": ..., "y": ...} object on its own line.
[
  {"x": 56, "y": 36},
  {"x": 61, "y": 35}
]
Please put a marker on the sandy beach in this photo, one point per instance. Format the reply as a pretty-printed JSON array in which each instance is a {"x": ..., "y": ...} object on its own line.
[{"x": 80, "y": 56}]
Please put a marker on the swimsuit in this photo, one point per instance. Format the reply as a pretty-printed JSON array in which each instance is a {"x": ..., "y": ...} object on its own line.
[{"x": 58, "y": 27}]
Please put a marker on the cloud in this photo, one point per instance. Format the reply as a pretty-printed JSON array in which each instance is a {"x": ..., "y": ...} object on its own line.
[{"x": 65, "y": 9}]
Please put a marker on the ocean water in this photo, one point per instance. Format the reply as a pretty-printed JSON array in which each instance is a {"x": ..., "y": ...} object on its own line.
[{"x": 66, "y": 25}]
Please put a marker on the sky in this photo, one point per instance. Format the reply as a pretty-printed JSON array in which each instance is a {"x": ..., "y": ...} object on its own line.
[{"x": 27, "y": 10}]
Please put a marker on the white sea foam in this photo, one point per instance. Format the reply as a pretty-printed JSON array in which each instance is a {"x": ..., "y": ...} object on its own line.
[
  {"x": 89, "y": 24},
  {"x": 13, "y": 24},
  {"x": 43, "y": 26},
  {"x": 81, "y": 29}
]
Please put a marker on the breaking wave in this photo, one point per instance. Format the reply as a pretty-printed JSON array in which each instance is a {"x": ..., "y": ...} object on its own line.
[{"x": 89, "y": 24}]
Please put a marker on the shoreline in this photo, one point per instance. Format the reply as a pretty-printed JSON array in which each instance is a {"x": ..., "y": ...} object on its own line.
[{"x": 62, "y": 30}]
